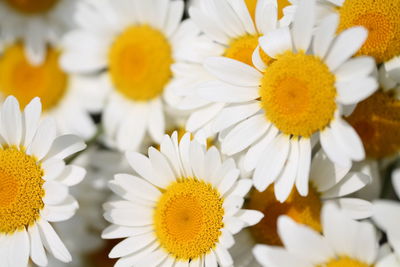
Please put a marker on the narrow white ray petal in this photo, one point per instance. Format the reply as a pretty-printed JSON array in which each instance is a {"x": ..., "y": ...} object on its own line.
[
  {"x": 131, "y": 245},
  {"x": 38, "y": 255},
  {"x": 325, "y": 34},
  {"x": 169, "y": 147},
  {"x": 266, "y": 16},
  {"x": 294, "y": 236},
  {"x": 137, "y": 186},
  {"x": 258, "y": 62},
  {"x": 55, "y": 192},
  {"x": 223, "y": 256},
  {"x": 232, "y": 71},
  {"x": 354, "y": 91},
  {"x": 250, "y": 217},
  {"x": 386, "y": 214},
  {"x": 244, "y": 134},
  {"x": 19, "y": 249},
  {"x": 201, "y": 117},
  {"x": 60, "y": 212},
  {"x": 355, "y": 68},
  {"x": 210, "y": 260},
  {"x": 356, "y": 208},
  {"x": 217, "y": 91},
  {"x": 138, "y": 216},
  {"x": 156, "y": 122},
  {"x": 276, "y": 42},
  {"x": 174, "y": 16},
  {"x": 284, "y": 184},
  {"x": 303, "y": 171},
  {"x": 72, "y": 175},
  {"x": 345, "y": 46},
  {"x": 133, "y": 258},
  {"x": 31, "y": 119},
  {"x": 160, "y": 165},
  {"x": 197, "y": 157},
  {"x": 242, "y": 11},
  {"x": 332, "y": 149},
  {"x": 393, "y": 68},
  {"x": 228, "y": 19},
  {"x": 269, "y": 256},
  {"x": 52, "y": 168},
  {"x": 11, "y": 121},
  {"x": 303, "y": 24},
  {"x": 228, "y": 181},
  {"x": 52, "y": 242},
  {"x": 117, "y": 231},
  {"x": 351, "y": 183},
  {"x": 271, "y": 163},
  {"x": 64, "y": 146}
]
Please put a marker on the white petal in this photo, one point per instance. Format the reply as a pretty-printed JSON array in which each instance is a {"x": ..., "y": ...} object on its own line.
[
  {"x": 141, "y": 164},
  {"x": 352, "y": 182},
  {"x": 241, "y": 10},
  {"x": 11, "y": 121},
  {"x": 197, "y": 157},
  {"x": 62, "y": 211},
  {"x": 277, "y": 257},
  {"x": 156, "y": 121},
  {"x": 55, "y": 192},
  {"x": 272, "y": 162},
  {"x": 303, "y": 24},
  {"x": 228, "y": 181},
  {"x": 116, "y": 231},
  {"x": 355, "y": 68},
  {"x": 53, "y": 168},
  {"x": 72, "y": 175},
  {"x": 160, "y": 165},
  {"x": 138, "y": 216},
  {"x": 266, "y": 16},
  {"x": 233, "y": 71},
  {"x": 303, "y": 171},
  {"x": 386, "y": 214},
  {"x": 354, "y": 91},
  {"x": 345, "y": 46},
  {"x": 201, "y": 117},
  {"x": 217, "y": 91},
  {"x": 174, "y": 16},
  {"x": 38, "y": 254},
  {"x": 210, "y": 260},
  {"x": 356, "y": 208},
  {"x": 333, "y": 150},
  {"x": 31, "y": 119},
  {"x": 223, "y": 256},
  {"x": 19, "y": 249},
  {"x": 64, "y": 146},
  {"x": 348, "y": 139},
  {"x": 392, "y": 68},
  {"x": 284, "y": 184},
  {"x": 325, "y": 34},
  {"x": 244, "y": 134},
  {"x": 52, "y": 242},
  {"x": 250, "y": 217},
  {"x": 276, "y": 42},
  {"x": 302, "y": 240},
  {"x": 137, "y": 186},
  {"x": 131, "y": 245}
]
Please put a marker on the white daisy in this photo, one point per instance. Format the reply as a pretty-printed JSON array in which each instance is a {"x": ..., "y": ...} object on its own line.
[
  {"x": 279, "y": 108},
  {"x": 328, "y": 182},
  {"x": 344, "y": 243},
  {"x": 183, "y": 206},
  {"x": 37, "y": 23},
  {"x": 34, "y": 185},
  {"x": 68, "y": 98},
  {"x": 220, "y": 28},
  {"x": 382, "y": 20},
  {"x": 135, "y": 42}
]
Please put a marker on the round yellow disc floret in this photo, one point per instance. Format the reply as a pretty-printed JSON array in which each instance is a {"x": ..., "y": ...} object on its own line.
[
  {"x": 21, "y": 191},
  {"x": 30, "y": 7},
  {"x": 298, "y": 94},
  {"x": 304, "y": 210},
  {"x": 140, "y": 63},
  {"x": 382, "y": 20},
  {"x": 377, "y": 121},
  {"x": 188, "y": 219},
  {"x": 25, "y": 81}
]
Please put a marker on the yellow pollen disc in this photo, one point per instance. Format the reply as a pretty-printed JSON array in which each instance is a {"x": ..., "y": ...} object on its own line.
[
  {"x": 30, "y": 7},
  {"x": 242, "y": 49},
  {"x": 25, "y": 81},
  {"x": 252, "y": 4},
  {"x": 345, "y": 262},
  {"x": 377, "y": 121},
  {"x": 381, "y": 18},
  {"x": 298, "y": 94},
  {"x": 140, "y": 63},
  {"x": 21, "y": 191},
  {"x": 304, "y": 210},
  {"x": 188, "y": 219}
]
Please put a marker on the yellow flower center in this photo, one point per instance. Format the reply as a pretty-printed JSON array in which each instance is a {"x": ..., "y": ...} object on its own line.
[
  {"x": 252, "y": 4},
  {"x": 344, "y": 262},
  {"x": 304, "y": 210},
  {"x": 139, "y": 63},
  {"x": 21, "y": 191},
  {"x": 298, "y": 94},
  {"x": 242, "y": 49},
  {"x": 377, "y": 120},
  {"x": 25, "y": 81},
  {"x": 30, "y": 7},
  {"x": 188, "y": 218},
  {"x": 381, "y": 18}
]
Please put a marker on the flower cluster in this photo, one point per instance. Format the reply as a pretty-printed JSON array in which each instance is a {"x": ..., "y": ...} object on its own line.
[{"x": 218, "y": 133}]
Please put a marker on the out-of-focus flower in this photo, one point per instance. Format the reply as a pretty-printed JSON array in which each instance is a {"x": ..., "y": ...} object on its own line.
[
  {"x": 135, "y": 42},
  {"x": 344, "y": 242},
  {"x": 183, "y": 206},
  {"x": 34, "y": 185},
  {"x": 67, "y": 98},
  {"x": 328, "y": 182},
  {"x": 36, "y": 23}
]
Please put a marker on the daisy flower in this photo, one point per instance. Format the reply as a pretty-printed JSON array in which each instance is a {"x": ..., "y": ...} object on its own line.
[
  {"x": 34, "y": 185},
  {"x": 328, "y": 182},
  {"x": 135, "y": 42},
  {"x": 344, "y": 243},
  {"x": 68, "y": 98},
  {"x": 301, "y": 94},
  {"x": 377, "y": 120},
  {"x": 220, "y": 28},
  {"x": 35, "y": 22},
  {"x": 382, "y": 20},
  {"x": 183, "y": 206}
]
